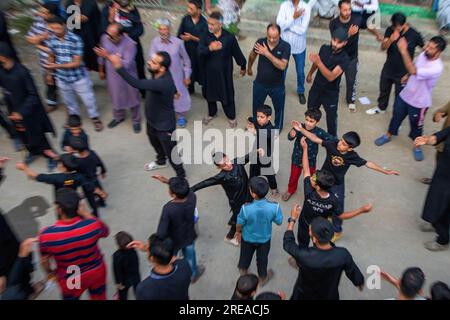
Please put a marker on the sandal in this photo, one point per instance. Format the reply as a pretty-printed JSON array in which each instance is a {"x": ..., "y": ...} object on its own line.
[
  {"x": 286, "y": 196},
  {"x": 233, "y": 123},
  {"x": 208, "y": 119},
  {"x": 98, "y": 125}
]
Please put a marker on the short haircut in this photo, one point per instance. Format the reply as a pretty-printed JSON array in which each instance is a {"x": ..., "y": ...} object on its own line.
[
  {"x": 69, "y": 161},
  {"x": 259, "y": 186},
  {"x": 162, "y": 250},
  {"x": 74, "y": 121},
  {"x": 274, "y": 26},
  {"x": 179, "y": 187},
  {"x": 440, "y": 291},
  {"x": 196, "y": 3},
  {"x": 218, "y": 157},
  {"x": 52, "y": 8},
  {"x": 56, "y": 19},
  {"x": 325, "y": 179},
  {"x": 78, "y": 144},
  {"x": 440, "y": 42},
  {"x": 164, "y": 22},
  {"x": 123, "y": 239},
  {"x": 246, "y": 285},
  {"x": 267, "y": 110},
  {"x": 314, "y": 113},
  {"x": 412, "y": 282},
  {"x": 322, "y": 230},
  {"x": 352, "y": 138},
  {"x": 217, "y": 16},
  {"x": 268, "y": 296},
  {"x": 341, "y": 2},
  {"x": 398, "y": 19},
  {"x": 68, "y": 200},
  {"x": 166, "y": 60}
]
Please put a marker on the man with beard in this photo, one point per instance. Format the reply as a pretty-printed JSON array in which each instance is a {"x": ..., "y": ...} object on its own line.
[
  {"x": 159, "y": 109},
  {"x": 415, "y": 98},
  {"x": 331, "y": 62}
]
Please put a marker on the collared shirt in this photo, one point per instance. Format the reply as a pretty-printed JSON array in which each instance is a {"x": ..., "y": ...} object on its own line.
[
  {"x": 417, "y": 91},
  {"x": 64, "y": 51},
  {"x": 294, "y": 31},
  {"x": 368, "y": 6},
  {"x": 38, "y": 28}
]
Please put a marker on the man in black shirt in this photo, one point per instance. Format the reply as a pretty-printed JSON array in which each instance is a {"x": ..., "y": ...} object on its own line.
[
  {"x": 321, "y": 266},
  {"x": 331, "y": 62},
  {"x": 274, "y": 56},
  {"x": 394, "y": 71},
  {"x": 170, "y": 278},
  {"x": 159, "y": 108},
  {"x": 177, "y": 221},
  {"x": 351, "y": 23}
]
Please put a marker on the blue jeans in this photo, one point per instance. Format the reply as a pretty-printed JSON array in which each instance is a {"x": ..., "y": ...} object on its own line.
[
  {"x": 299, "y": 59},
  {"x": 403, "y": 110},
  {"x": 339, "y": 191},
  {"x": 190, "y": 256},
  {"x": 278, "y": 96}
]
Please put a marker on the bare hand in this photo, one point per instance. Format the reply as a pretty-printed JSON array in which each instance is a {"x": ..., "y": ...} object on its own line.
[
  {"x": 84, "y": 18},
  {"x": 26, "y": 247},
  {"x": 296, "y": 125},
  {"x": 353, "y": 30},
  {"x": 238, "y": 236},
  {"x": 139, "y": 245},
  {"x": 295, "y": 211},
  {"x": 242, "y": 72},
  {"x": 367, "y": 208},
  {"x": 115, "y": 60},
  {"x": 404, "y": 79},
  {"x": 402, "y": 44},
  {"x": 51, "y": 66},
  {"x": 160, "y": 178},
  {"x": 249, "y": 72},
  {"x": 420, "y": 141},
  {"x": 298, "y": 13},
  {"x": 215, "y": 46},
  {"x": 187, "y": 36},
  {"x": 438, "y": 116},
  {"x": 309, "y": 78},
  {"x": 392, "y": 172},
  {"x": 261, "y": 49},
  {"x": 394, "y": 36},
  {"x": 21, "y": 166},
  {"x": 303, "y": 143},
  {"x": 261, "y": 152},
  {"x": 314, "y": 58},
  {"x": 101, "y": 52},
  {"x": 251, "y": 127}
]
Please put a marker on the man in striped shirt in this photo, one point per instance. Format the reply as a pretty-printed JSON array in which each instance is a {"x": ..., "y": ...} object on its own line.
[
  {"x": 293, "y": 19},
  {"x": 72, "y": 243}
]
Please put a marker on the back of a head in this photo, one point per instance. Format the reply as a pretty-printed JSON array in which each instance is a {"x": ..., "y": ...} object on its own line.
[
  {"x": 440, "y": 291},
  {"x": 166, "y": 60},
  {"x": 268, "y": 296},
  {"x": 259, "y": 186},
  {"x": 267, "y": 110},
  {"x": 69, "y": 162},
  {"x": 324, "y": 179},
  {"x": 68, "y": 200},
  {"x": 246, "y": 285},
  {"x": 161, "y": 250},
  {"x": 322, "y": 230},
  {"x": 352, "y": 138},
  {"x": 179, "y": 187},
  {"x": 412, "y": 282},
  {"x": 123, "y": 239},
  {"x": 78, "y": 144},
  {"x": 74, "y": 121},
  {"x": 440, "y": 42},
  {"x": 398, "y": 19}
]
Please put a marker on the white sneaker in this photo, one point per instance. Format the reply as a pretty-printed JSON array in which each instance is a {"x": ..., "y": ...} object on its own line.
[
  {"x": 233, "y": 241},
  {"x": 374, "y": 110},
  {"x": 352, "y": 107},
  {"x": 154, "y": 166}
]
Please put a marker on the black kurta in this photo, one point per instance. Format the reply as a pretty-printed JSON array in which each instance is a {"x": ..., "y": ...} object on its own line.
[
  {"x": 21, "y": 96},
  {"x": 4, "y": 35},
  {"x": 218, "y": 73},
  {"x": 437, "y": 202},
  {"x": 197, "y": 30},
  {"x": 89, "y": 32}
]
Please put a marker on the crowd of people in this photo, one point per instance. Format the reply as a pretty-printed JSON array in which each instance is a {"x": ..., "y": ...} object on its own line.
[{"x": 202, "y": 52}]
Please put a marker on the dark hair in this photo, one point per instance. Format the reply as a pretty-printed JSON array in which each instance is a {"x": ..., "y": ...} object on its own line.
[
  {"x": 440, "y": 291},
  {"x": 325, "y": 179},
  {"x": 196, "y": 3},
  {"x": 412, "y": 282},
  {"x": 267, "y": 110},
  {"x": 314, "y": 113},
  {"x": 52, "y": 8},
  {"x": 179, "y": 186},
  {"x": 123, "y": 239},
  {"x": 341, "y": 2},
  {"x": 162, "y": 250},
  {"x": 218, "y": 157},
  {"x": 74, "y": 120},
  {"x": 441, "y": 43},
  {"x": 68, "y": 161},
  {"x": 67, "y": 199},
  {"x": 216, "y": 15},
  {"x": 78, "y": 144},
  {"x": 398, "y": 19},
  {"x": 274, "y": 26},
  {"x": 246, "y": 285},
  {"x": 322, "y": 230},
  {"x": 268, "y": 296},
  {"x": 56, "y": 19},
  {"x": 259, "y": 186},
  {"x": 166, "y": 60},
  {"x": 352, "y": 138}
]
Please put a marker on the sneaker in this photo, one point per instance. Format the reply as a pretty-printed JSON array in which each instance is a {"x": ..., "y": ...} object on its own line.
[
  {"x": 418, "y": 154},
  {"x": 264, "y": 281},
  {"x": 181, "y": 122},
  {"x": 137, "y": 127},
  {"x": 232, "y": 241},
  {"x": 114, "y": 123},
  {"x": 426, "y": 227},
  {"x": 352, "y": 107},
  {"x": 200, "y": 272},
  {"x": 375, "y": 110},
  {"x": 154, "y": 166},
  {"x": 336, "y": 237},
  {"x": 293, "y": 263},
  {"x": 434, "y": 246},
  {"x": 51, "y": 165},
  {"x": 301, "y": 98},
  {"x": 382, "y": 140},
  {"x": 233, "y": 123}
]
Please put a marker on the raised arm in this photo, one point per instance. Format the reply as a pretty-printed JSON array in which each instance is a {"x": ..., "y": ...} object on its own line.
[
  {"x": 402, "y": 45},
  {"x": 311, "y": 136},
  {"x": 213, "y": 181},
  {"x": 351, "y": 214},
  {"x": 305, "y": 160},
  {"x": 27, "y": 170}
]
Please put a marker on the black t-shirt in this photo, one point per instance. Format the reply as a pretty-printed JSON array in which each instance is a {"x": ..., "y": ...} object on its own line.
[
  {"x": 330, "y": 60},
  {"x": 338, "y": 163},
  {"x": 88, "y": 166},
  {"x": 394, "y": 65},
  {"x": 315, "y": 206},
  {"x": 352, "y": 44},
  {"x": 177, "y": 222},
  {"x": 172, "y": 286},
  {"x": 63, "y": 180},
  {"x": 268, "y": 74}
]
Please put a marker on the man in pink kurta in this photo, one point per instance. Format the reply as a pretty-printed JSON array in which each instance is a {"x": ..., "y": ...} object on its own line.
[
  {"x": 123, "y": 96},
  {"x": 180, "y": 68}
]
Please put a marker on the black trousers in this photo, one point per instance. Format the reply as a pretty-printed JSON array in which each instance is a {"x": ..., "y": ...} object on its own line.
[
  {"x": 329, "y": 100},
  {"x": 52, "y": 99},
  {"x": 123, "y": 294},
  {"x": 386, "y": 83},
  {"x": 7, "y": 125},
  {"x": 163, "y": 145},
  {"x": 229, "y": 109},
  {"x": 255, "y": 171},
  {"x": 262, "y": 254},
  {"x": 351, "y": 81}
]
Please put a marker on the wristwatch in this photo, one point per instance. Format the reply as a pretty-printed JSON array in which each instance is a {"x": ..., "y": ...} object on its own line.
[{"x": 290, "y": 219}]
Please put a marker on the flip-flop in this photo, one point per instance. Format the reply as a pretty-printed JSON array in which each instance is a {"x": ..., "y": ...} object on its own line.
[{"x": 208, "y": 119}]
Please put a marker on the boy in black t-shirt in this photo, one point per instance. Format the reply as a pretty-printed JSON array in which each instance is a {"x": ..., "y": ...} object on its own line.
[
  {"x": 74, "y": 130},
  {"x": 331, "y": 62},
  {"x": 340, "y": 156},
  {"x": 265, "y": 135}
]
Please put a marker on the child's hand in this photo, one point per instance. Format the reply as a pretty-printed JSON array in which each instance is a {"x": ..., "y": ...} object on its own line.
[
  {"x": 296, "y": 125},
  {"x": 251, "y": 127},
  {"x": 303, "y": 143},
  {"x": 293, "y": 133}
]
